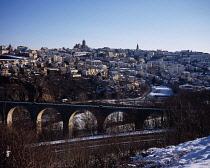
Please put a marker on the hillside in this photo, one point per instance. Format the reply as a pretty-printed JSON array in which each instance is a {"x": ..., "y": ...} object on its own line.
[{"x": 191, "y": 154}]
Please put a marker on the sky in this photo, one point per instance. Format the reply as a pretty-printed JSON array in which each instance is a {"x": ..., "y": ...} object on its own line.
[{"x": 171, "y": 25}]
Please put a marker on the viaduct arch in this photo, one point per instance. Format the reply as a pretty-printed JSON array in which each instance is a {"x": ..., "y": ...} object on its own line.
[
  {"x": 18, "y": 115},
  {"x": 89, "y": 121},
  {"x": 53, "y": 116},
  {"x": 117, "y": 118}
]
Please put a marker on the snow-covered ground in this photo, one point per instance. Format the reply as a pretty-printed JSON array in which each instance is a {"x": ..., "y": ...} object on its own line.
[
  {"x": 160, "y": 91},
  {"x": 192, "y": 154}
]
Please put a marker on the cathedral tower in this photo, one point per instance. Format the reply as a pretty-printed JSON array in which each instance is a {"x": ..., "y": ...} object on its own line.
[{"x": 83, "y": 44}]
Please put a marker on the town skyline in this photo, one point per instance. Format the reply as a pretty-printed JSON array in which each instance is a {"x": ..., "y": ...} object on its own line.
[
  {"x": 167, "y": 25},
  {"x": 137, "y": 47}
]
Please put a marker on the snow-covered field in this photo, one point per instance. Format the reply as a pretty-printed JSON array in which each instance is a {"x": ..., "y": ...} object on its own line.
[
  {"x": 160, "y": 91},
  {"x": 192, "y": 154}
]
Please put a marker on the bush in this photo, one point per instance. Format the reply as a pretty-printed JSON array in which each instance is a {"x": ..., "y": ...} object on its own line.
[{"x": 188, "y": 115}]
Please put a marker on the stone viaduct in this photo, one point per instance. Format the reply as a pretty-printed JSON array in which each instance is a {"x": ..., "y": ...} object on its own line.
[{"x": 136, "y": 115}]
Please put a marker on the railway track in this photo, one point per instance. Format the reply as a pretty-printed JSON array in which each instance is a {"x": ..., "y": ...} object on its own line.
[
  {"x": 105, "y": 143},
  {"x": 88, "y": 151}
]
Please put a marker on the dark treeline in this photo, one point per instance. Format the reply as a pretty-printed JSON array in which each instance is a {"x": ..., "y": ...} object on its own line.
[
  {"x": 53, "y": 88},
  {"x": 188, "y": 116}
]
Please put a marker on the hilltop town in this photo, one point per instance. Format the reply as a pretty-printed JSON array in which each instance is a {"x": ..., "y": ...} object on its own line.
[
  {"x": 114, "y": 73},
  {"x": 129, "y": 78}
]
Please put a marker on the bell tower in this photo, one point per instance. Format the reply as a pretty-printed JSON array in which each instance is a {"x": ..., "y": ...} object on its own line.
[{"x": 83, "y": 44}]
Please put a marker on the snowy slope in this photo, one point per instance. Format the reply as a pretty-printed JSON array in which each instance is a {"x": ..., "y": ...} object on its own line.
[{"x": 192, "y": 154}]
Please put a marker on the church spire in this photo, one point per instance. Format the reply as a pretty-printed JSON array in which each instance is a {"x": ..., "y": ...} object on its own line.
[{"x": 137, "y": 47}]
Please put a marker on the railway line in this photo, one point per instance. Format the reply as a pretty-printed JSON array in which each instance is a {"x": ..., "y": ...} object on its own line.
[{"x": 96, "y": 145}]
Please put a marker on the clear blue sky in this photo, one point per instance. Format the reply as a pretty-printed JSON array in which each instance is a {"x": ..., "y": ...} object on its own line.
[{"x": 154, "y": 24}]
